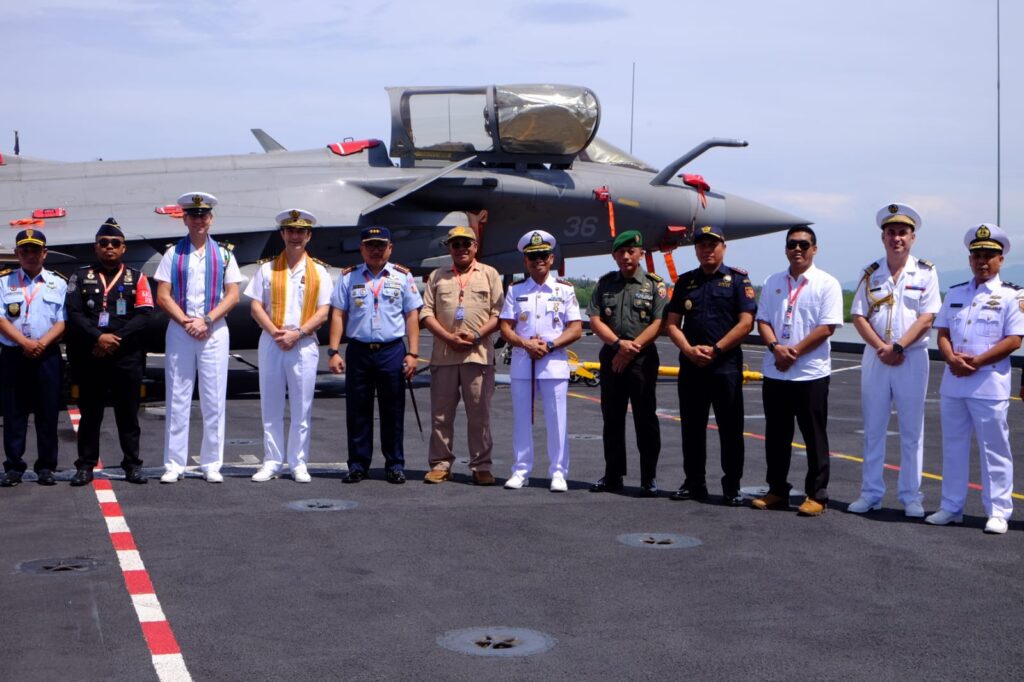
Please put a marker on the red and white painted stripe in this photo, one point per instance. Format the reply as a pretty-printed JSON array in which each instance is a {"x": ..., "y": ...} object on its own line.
[{"x": 163, "y": 647}]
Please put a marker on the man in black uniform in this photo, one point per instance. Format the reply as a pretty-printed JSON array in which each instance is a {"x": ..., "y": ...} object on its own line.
[
  {"x": 625, "y": 312},
  {"x": 108, "y": 308},
  {"x": 711, "y": 312}
]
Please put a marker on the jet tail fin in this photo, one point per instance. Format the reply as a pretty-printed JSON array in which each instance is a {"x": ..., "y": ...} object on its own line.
[{"x": 268, "y": 143}]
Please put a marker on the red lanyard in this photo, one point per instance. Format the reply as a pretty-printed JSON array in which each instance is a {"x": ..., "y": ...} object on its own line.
[
  {"x": 376, "y": 292},
  {"x": 458, "y": 278},
  {"x": 108, "y": 287},
  {"x": 793, "y": 294},
  {"x": 28, "y": 296}
]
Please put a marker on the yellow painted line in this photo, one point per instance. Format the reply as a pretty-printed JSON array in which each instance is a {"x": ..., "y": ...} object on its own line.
[{"x": 837, "y": 455}]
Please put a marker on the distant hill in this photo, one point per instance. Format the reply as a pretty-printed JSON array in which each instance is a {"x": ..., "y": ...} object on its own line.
[{"x": 947, "y": 278}]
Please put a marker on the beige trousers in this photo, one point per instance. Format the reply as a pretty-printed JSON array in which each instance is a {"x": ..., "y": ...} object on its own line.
[{"x": 474, "y": 384}]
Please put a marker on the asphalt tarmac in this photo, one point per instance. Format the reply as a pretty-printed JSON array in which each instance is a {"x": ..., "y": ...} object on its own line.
[{"x": 255, "y": 590}]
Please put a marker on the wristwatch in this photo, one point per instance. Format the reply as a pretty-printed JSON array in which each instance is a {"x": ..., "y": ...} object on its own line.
[
  {"x": 897, "y": 348},
  {"x": 207, "y": 320},
  {"x": 551, "y": 347},
  {"x": 772, "y": 345},
  {"x": 716, "y": 349},
  {"x": 331, "y": 352}
]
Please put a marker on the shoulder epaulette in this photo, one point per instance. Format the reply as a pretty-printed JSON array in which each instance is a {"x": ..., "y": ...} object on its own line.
[
  {"x": 1011, "y": 285},
  {"x": 59, "y": 274},
  {"x": 608, "y": 275},
  {"x": 85, "y": 267},
  {"x": 563, "y": 281},
  {"x": 320, "y": 262},
  {"x": 349, "y": 269},
  {"x": 400, "y": 268},
  {"x": 227, "y": 245},
  {"x": 926, "y": 264},
  {"x": 959, "y": 285},
  {"x": 6, "y": 271},
  {"x": 169, "y": 245},
  {"x": 655, "y": 278},
  {"x": 266, "y": 260},
  {"x": 870, "y": 270},
  {"x": 739, "y": 270}
]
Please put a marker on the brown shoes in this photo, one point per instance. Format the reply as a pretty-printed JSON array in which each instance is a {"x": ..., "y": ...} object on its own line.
[
  {"x": 483, "y": 478},
  {"x": 812, "y": 508},
  {"x": 771, "y": 501},
  {"x": 437, "y": 475}
]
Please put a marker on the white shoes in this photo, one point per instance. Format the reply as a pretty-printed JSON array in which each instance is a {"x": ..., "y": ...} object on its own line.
[
  {"x": 996, "y": 526},
  {"x": 517, "y": 481},
  {"x": 913, "y": 510},
  {"x": 558, "y": 484},
  {"x": 862, "y": 505},
  {"x": 171, "y": 477},
  {"x": 300, "y": 474},
  {"x": 213, "y": 477},
  {"x": 944, "y": 518},
  {"x": 266, "y": 473}
]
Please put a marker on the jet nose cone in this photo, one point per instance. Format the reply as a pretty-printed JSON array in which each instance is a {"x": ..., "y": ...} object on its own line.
[{"x": 746, "y": 218}]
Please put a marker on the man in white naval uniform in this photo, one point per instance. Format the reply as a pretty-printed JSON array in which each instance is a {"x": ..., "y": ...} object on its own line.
[
  {"x": 291, "y": 296},
  {"x": 197, "y": 287},
  {"x": 893, "y": 308},
  {"x": 980, "y": 325},
  {"x": 539, "y": 319}
]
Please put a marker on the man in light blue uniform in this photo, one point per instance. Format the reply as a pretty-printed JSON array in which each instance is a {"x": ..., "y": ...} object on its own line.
[
  {"x": 31, "y": 323},
  {"x": 374, "y": 306}
]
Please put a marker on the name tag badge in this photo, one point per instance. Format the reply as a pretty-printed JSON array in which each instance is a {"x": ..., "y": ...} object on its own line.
[
  {"x": 26, "y": 330},
  {"x": 375, "y": 320},
  {"x": 104, "y": 319},
  {"x": 460, "y": 313},
  {"x": 121, "y": 307}
]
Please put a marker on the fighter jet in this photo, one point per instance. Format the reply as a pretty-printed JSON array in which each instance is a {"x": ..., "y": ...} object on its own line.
[{"x": 503, "y": 158}]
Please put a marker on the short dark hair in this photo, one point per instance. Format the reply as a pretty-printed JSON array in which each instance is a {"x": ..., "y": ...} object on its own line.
[{"x": 803, "y": 228}]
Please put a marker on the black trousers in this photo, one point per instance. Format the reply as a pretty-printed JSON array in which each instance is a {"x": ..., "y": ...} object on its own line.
[
  {"x": 807, "y": 403},
  {"x": 699, "y": 391},
  {"x": 121, "y": 378},
  {"x": 29, "y": 387},
  {"x": 369, "y": 372},
  {"x": 636, "y": 385}
]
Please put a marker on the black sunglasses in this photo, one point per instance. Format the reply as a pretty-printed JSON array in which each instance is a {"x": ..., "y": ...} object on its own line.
[
  {"x": 542, "y": 255},
  {"x": 116, "y": 243},
  {"x": 460, "y": 243},
  {"x": 801, "y": 244}
]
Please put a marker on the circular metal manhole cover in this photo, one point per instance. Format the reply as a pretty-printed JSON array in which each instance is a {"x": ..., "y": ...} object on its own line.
[
  {"x": 63, "y": 565},
  {"x": 659, "y": 540},
  {"x": 755, "y": 491},
  {"x": 319, "y": 505},
  {"x": 241, "y": 441},
  {"x": 583, "y": 436},
  {"x": 497, "y": 641}
]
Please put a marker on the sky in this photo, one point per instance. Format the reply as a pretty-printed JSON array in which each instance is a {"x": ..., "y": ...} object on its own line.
[{"x": 847, "y": 106}]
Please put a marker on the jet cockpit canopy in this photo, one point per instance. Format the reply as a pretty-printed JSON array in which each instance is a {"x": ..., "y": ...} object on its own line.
[{"x": 499, "y": 124}]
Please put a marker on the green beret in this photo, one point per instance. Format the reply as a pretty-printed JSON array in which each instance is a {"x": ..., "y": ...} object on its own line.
[{"x": 628, "y": 238}]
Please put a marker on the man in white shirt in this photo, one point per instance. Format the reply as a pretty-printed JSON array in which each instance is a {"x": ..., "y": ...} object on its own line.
[
  {"x": 799, "y": 309},
  {"x": 197, "y": 287},
  {"x": 893, "y": 309},
  {"x": 980, "y": 324},
  {"x": 291, "y": 296}
]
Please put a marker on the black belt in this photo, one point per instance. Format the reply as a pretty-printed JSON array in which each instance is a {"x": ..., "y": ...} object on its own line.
[{"x": 375, "y": 346}]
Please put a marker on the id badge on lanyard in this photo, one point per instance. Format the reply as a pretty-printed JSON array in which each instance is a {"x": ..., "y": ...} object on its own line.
[{"x": 787, "y": 319}]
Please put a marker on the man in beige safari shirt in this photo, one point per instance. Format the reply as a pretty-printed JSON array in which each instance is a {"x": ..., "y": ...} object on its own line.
[{"x": 460, "y": 308}]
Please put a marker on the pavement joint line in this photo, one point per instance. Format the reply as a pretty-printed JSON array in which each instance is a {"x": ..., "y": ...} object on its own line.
[
  {"x": 164, "y": 651},
  {"x": 801, "y": 446}
]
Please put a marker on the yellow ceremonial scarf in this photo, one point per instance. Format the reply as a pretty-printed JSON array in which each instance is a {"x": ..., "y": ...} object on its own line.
[{"x": 279, "y": 289}]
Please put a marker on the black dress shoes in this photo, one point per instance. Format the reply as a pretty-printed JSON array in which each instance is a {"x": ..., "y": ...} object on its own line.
[
  {"x": 688, "y": 493},
  {"x": 11, "y": 479},
  {"x": 81, "y": 477},
  {"x": 46, "y": 477},
  {"x": 607, "y": 485},
  {"x": 396, "y": 476},
  {"x": 732, "y": 499},
  {"x": 354, "y": 476},
  {"x": 648, "y": 489},
  {"x": 135, "y": 476}
]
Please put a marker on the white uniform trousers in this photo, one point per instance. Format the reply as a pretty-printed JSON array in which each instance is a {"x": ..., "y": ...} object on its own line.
[
  {"x": 881, "y": 387},
  {"x": 987, "y": 420},
  {"x": 552, "y": 394},
  {"x": 184, "y": 356},
  {"x": 295, "y": 370}
]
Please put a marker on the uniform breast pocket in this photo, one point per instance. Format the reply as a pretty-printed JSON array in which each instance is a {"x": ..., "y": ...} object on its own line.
[
  {"x": 14, "y": 305},
  {"x": 912, "y": 298},
  {"x": 989, "y": 324}
]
